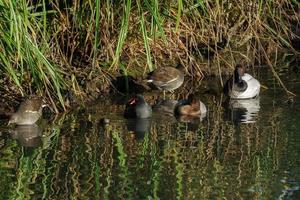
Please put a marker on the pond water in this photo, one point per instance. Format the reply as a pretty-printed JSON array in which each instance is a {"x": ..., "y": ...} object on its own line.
[{"x": 240, "y": 150}]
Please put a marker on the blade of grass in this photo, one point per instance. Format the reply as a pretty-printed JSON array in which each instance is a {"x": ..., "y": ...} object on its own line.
[
  {"x": 179, "y": 12},
  {"x": 145, "y": 37},
  {"x": 123, "y": 32}
]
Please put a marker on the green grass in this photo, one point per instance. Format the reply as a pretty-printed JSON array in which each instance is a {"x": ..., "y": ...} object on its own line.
[
  {"x": 50, "y": 48},
  {"x": 23, "y": 51}
]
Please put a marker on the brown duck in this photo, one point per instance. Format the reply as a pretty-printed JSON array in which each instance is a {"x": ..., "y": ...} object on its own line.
[{"x": 191, "y": 107}]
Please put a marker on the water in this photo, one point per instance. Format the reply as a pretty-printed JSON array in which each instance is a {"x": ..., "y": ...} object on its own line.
[{"x": 240, "y": 150}]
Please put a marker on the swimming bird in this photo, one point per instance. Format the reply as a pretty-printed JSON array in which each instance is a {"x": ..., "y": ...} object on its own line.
[
  {"x": 166, "y": 78},
  {"x": 241, "y": 85},
  {"x": 28, "y": 112},
  {"x": 137, "y": 107},
  {"x": 190, "y": 106}
]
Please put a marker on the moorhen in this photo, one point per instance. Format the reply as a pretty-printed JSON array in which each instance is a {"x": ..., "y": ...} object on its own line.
[
  {"x": 137, "y": 107},
  {"x": 29, "y": 111},
  {"x": 166, "y": 79},
  {"x": 241, "y": 85}
]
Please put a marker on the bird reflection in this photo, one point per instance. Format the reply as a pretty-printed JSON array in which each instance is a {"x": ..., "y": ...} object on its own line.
[
  {"x": 243, "y": 111},
  {"x": 190, "y": 118},
  {"x": 139, "y": 126},
  {"x": 164, "y": 110},
  {"x": 27, "y": 135},
  {"x": 165, "y": 106},
  {"x": 190, "y": 110}
]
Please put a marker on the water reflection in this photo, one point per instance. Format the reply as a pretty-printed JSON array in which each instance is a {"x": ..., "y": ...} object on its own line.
[
  {"x": 190, "y": 119},
  {"x": 164, "y": 110},
  {"x": 27, "y": 135},
  {"x": 243, "y": 111},
  {"x": 139, "y": 126},
  {"x": 198, "y": 158},
  {"x": 166, "y": 106}
]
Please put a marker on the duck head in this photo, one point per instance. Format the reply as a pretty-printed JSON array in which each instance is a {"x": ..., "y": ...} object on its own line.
[
  {"x": 239, "y": 84},
  {"x": 239, "y": 73}
]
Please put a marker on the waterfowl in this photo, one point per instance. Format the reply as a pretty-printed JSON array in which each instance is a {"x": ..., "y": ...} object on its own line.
[
  {"x": 241, "y": 85},
  {"x": 137, "y": 107},
  {"x": 190, "y": 107},
  {"x": 165, "y": 106},
  {"x": 166, "y": 79},
  {"x": 28, "y": 112}
]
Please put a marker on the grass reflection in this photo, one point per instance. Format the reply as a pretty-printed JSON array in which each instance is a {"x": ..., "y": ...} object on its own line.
[{"x": 216, "y": 158}]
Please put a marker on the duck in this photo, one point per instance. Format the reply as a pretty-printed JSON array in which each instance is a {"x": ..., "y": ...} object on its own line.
[
  {"x": 137, "y": 108},
  {"x": 29, "y": 111},
  {"x": 166, "y": 78},
  {"x": 190, "y": 107},
  {"x": 241, "y": 85}
]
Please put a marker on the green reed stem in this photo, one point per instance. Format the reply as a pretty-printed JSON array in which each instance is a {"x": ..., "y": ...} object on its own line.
[
  {"x": 97, "y": 29},
  {"x": 123, "y": 32},
  {"x": 25, "y": 49},
  {"x": 179, "y": 12},
  {"x": 145, "y": 37}
]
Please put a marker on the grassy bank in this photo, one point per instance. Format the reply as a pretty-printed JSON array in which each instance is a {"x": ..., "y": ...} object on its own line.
[{"x": 54, "y": 48}]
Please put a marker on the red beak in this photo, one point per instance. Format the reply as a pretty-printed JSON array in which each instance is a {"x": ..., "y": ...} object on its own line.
[{"x": 132, "y": 101}]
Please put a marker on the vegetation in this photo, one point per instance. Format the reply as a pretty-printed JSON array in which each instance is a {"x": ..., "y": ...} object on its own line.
[{"x": 58, "y": 47}]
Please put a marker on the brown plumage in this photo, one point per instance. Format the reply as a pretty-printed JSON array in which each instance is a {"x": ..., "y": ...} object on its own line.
[
  {"x": 167, "y": 78},
  {"x": 29, "y": 111},
  {"x": 190, "y": 106}
]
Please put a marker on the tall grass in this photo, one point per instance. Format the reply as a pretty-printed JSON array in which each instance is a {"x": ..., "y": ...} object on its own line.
[
  {"x": 24, "y": 48},
  {"x": 71, "y": 44},
  {"x": 145, "y": 36},
  {"x": 123, "y": 31}
]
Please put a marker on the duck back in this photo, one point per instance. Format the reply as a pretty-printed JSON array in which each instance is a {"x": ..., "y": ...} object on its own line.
[{"x": 253, "y": 88}]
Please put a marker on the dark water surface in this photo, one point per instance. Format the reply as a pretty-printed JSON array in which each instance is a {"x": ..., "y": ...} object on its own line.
[{"x": 240, "y": 150}]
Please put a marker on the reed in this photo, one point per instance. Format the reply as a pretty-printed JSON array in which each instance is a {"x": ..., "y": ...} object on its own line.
[
  {"x": 24, "y": 48},
  {"x": 53, "y": 47}
]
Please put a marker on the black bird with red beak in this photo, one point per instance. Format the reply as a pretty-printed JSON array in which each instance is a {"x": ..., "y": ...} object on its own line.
[{"x": 137, "y": 107}]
